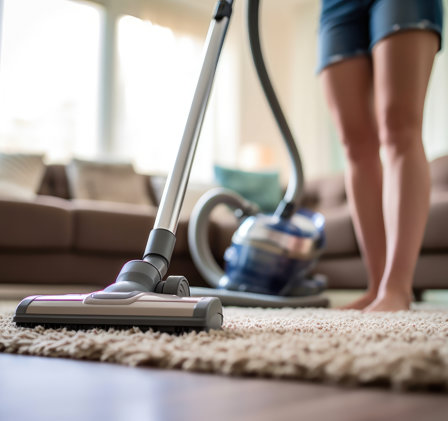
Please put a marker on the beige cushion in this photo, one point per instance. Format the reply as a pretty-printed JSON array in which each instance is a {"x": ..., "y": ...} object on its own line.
[
  {"x": 325, "y": 192},
  {"x": 20, "y": 175},
  {"x": 439, "y": 173},
  {"x": 118, "y": 228},
  {"x": 339, "y": 232},
  {"x": 112, "y": 182},
  {"x": 436, "y": 232},
  {"x": 193, "y": 193},
  {"x": 45, "y": 223}
]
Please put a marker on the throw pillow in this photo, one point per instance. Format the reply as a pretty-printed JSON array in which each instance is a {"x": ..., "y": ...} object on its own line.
[
  {"x": 107, "y": 181},
  {"x": 262, "y": 188},
  {"x": 20, "y": 175}
]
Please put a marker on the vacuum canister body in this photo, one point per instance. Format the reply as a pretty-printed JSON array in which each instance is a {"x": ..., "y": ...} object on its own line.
[{"x": 270, "y": 255}]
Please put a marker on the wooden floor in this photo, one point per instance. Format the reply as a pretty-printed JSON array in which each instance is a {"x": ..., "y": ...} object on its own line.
[{"x": 36, "y": 388}]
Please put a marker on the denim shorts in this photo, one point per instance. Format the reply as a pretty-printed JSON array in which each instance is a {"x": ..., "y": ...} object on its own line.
[{"x": 348, "y": 28}]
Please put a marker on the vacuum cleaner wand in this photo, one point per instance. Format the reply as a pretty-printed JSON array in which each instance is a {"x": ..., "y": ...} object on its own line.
[
  {"x": 174, "y": 192},
  {"x": 140, "y": 296},
  {"x": 162, "y": 238}
]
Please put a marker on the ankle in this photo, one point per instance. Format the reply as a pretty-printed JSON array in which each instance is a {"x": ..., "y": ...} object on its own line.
[
  {"x": 398, "y": 293},
  {"x": 371, "y": 292}
]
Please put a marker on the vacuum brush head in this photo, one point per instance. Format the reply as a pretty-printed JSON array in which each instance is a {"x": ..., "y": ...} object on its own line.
[{"x": 121, "y": 309}]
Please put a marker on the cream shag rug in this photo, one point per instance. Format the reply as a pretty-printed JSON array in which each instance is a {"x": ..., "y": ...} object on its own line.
[{"x": 404, "y": 350}]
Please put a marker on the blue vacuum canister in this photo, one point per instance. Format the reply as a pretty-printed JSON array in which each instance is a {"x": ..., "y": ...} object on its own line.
[{"x": 270, "y": 255}]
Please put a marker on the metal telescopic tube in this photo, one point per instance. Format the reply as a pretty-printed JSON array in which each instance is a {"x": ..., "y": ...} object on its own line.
[{"x": 174, "y": 192}]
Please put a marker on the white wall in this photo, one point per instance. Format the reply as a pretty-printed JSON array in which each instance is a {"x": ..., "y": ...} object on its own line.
[
  {"x": 289, "y": 41},
  {"x": 317, "y": 141}
]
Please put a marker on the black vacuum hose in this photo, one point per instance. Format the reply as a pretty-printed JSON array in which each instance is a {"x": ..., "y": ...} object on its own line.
[{"x": 291, "y": 201}]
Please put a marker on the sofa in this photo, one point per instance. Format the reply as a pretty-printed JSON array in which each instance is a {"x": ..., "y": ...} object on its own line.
[
  {"x": 58, "y": 237},
  {"x": 55, "y": 239}
]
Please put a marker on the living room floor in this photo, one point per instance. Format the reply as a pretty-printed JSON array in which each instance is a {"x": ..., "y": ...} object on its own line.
[{"x": 60, "y": 389}]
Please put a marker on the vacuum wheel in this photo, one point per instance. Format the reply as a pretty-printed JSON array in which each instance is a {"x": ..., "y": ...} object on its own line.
[{"x": 174, "y": 285}]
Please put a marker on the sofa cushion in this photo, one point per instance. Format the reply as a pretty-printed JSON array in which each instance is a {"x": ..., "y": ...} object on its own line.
[
  {"x": 113, "y": 182},
  {"x": 436, "y": 233},
  {"x": 339, "y": 232},
  {"x": 111, "y": 227},
  {"x": 193, "y": 193},
  {"x": 54, "y": 182},
  {"x": 44, "y": 223},
  {"x": 325, "y": 192},
  {"x": 20, "y": 175},
  {"x": 439, "y": 173},
  {"x": 108, "y": 227},
  {"x": 222, "y": 225},
  {"x": 260, "y": 187}
]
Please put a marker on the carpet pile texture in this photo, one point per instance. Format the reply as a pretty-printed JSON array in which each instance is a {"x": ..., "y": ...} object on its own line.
[{"x": 404, "y": 350}]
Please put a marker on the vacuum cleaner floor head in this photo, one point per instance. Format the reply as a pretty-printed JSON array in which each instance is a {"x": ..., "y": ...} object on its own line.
[{"x": 121, "y": 309}]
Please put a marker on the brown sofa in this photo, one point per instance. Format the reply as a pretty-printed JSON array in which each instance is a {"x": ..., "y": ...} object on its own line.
[{"x": 56, "y": 240}]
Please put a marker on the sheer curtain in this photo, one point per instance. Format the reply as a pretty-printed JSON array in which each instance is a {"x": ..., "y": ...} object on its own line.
[
  {"x": 49, "y": 77},
  {"x": 156, "y": 78},
  {"x": 112, "y": 80},
  {"x": 158, "y": 67}
]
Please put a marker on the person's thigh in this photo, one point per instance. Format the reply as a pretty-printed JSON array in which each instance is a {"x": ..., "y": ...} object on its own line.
[
  {"x": 348, "y": 87},
  {"x": 405, "y": 36},
  {"x": 402, "y": 65}
]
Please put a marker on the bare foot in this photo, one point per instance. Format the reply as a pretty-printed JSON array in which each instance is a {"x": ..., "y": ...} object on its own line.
[
  {"x": 390, "y": 301},
  {"x": 361, "y": 303}
]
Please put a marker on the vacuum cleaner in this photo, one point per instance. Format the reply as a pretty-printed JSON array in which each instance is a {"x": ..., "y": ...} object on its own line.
[
  {"x": 140, "y": 295},
  {"x": 270, "y": 259}
]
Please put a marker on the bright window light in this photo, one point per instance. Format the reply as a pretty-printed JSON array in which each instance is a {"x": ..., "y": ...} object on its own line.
[
  {"x": 49, "y": 71},
  {"x": 158, "y": 73}
]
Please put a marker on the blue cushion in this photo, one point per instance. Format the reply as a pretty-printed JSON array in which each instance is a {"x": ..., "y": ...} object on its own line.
[{"x": 262, "y": 188}]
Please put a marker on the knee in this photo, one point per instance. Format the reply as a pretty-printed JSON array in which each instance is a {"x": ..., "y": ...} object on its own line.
[
  {"x": 360, "y": 143},
  {"x": 399, "y": 128}
]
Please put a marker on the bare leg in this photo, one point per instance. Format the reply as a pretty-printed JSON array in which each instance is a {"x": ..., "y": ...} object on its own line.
[
  {"x": 349, "y": 90},
  {"x": 402, "y": 66}
]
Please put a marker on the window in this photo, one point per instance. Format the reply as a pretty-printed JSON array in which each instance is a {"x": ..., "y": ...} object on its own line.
[
  {"x": 49, "y": 72},
  {"x": 84, "y": 79},
  {"x": 158, "y": 71}
]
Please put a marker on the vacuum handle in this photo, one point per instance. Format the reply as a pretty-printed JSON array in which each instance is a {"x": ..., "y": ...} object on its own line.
[
  {"x": 176, "y": 185},
  {"x": 198, "y": 235}
]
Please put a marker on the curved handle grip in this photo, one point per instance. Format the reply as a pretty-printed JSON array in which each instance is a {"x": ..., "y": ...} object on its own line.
[{"x": 198, "y": 230}]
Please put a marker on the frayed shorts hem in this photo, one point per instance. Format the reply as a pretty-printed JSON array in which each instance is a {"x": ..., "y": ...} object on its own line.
[{"x": 423, "y": 25}]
